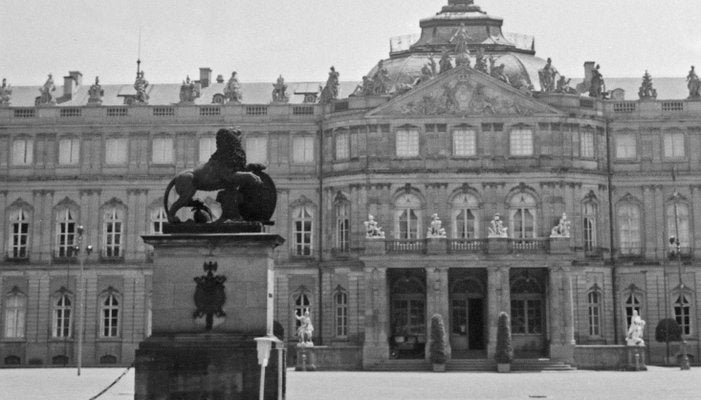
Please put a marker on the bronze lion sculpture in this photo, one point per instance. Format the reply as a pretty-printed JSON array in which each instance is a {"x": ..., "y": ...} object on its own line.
[{"x": 226, "y": 169}]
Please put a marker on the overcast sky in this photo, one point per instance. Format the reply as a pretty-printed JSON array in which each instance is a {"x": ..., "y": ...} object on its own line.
[{"x": 300, "y": 39}]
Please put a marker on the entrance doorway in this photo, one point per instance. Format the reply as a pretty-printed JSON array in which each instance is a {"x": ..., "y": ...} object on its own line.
[
  {"x": 528, "y": 305},
  {"x": 468, "y": 316},
  {"x": 408, "y": 313}
]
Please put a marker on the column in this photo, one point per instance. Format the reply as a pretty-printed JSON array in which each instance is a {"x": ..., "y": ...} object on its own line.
[
  {"x": 555, "y": 334},
  {"x": 648, "y": 224},
  {"x": 493, "y": 294},
  {"x": 659, "y": 210},
  {"x": 695, "y": 225},
  {"x": 3, "y": 217},
  {"x": 437, "y": 297},
  {"x": 376, "y": 346}
]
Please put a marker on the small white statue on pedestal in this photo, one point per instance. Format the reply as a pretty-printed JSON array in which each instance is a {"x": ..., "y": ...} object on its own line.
[
  {"x": 562, "y": 229},
  {"x": 635, "y": 331},
  {"x": 372, "y": 231},
  {"x": 305, "y": 330},
  {"x": 497, "y": 228},
  {"x": 436, "y": 230}
]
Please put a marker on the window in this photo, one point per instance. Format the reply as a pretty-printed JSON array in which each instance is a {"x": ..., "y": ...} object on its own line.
[
  {"x": 465, "y": 220},
  {"x": 116, "y": 151},
  {"x": 679, "y": 229},
  {"x": 674, "y": 145},
  {"x": 341, "y": 310},
  {"x": 526, "y": 307},
  {"x": 407, "y": 217},
  {"x": 464, "y": 142},
  {"x": 22, "y": 152},
  {"x": 303, "y": 149},
  {"x": 626, "y": 146},
  {"x": 112, "y": 233},
  {"x": 589, "y": 226},
  {"x": 523, "y": 216},
  {"x": 162, "y": 150},
  {"x": 343, "y": 226},
  {"x": 109, "y": 321},
  {"x": 302, "y": 221},
  {"x": 408, "y": 142},
  {"x": 682, "y": 312},
  {"x": 158, "y": 218},
  {"x": 208, "y": 145},
  {"x": 633, "y": 302},
  {"x": 65, "y": 232},
  {"x": 257, "y": 149},
  {"x": 629, "y": 229},
  {"x": 342, "y": 146},
  {"x": 19, "y": 234},
  {"x": 594, "y": 311},
  {"x": 302, "y": 303},
  {"x": 521, "y": 142},
  {"x": 15, "y": 314},
  {"x": 61, "y": 326},
  {"x": 586, "y": 144},
  {"x": 68, "y": 151}
]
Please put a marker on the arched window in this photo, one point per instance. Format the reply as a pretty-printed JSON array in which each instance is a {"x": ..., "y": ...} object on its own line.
[
  {"x": 302, "y": 223},
  {"x": 589, "y": 214},
  {"x": 65, "y": 232},
  {"x": 109, "y": 315},
  {"x": 407, "y": 217},
  {"x": 112, "y": 231},
  {"x": 683, "y": 310},
  {"x": 632, "y": 301},
  {"x": 340, "y": 298},
  {"x": 15, "y": 314},
  {"x": 628, "y": 218},
  {"x": 342, "y": 226},
  {"x": 302, "y": 301},
  {"x": 158, "y": 218},
  {"x": 526, "y": 306},
  {"x": 62, "y": 317},
  {"x": 465, "y": 215},
  {"x": 19, "y": 233},
  {"x": 679, "y": 229},
  {"x": 594, "y": 311},
  {"x": 523, "y": 216}
]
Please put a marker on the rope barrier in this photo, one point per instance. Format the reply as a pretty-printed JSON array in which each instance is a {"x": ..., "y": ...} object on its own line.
[{"x": 112, "y": 384}]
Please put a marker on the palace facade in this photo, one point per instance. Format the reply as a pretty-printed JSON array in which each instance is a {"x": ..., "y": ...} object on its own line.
[{"x": 464, "y": 124}]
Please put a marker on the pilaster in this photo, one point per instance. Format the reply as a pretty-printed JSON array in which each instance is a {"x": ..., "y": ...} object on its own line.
[
  {"x": 3, "y": 223},
  {"x": 648, "y": 222},
  {"x": 438, "y": 296},
  {"x": 659, "y": 227},
  {"x": 696, "y": 223},
  {"x": 376, "y": 346}
]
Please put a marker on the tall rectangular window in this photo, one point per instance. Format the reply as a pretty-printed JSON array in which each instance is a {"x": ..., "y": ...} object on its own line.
[
  {"x": 22, "y": 152},
  {"x": 162, "y": 150},
  {"x": 466, "y": 224},
  {"x": 112, "y": 233},
  {"x": 408, "y": 142},
  {"x": 19, "y": 234},
  {"x": 68, "y": 151},
  {"x": 62, "y": 318},
  {"x": 586, "y": 145},
  {"x": 343, "y": 227},
  {"x": 629, "y": 229},
  {"x": 680, "y": 227},
  {"x": 116, "y": 151},
  {"x": 208, "y": 145},
  {"x": 15, "y": 315},
  {"x": 626, "y": 146},
  {"x": 682, "y": 313},
  {"x": 589, "y": 225},
  {"x": 342, "y": 146},
  {"x": 65, "y": 233},
  {"x": 594, "y": 312},
  {"x": 257, "y": 149},
  {"x": 341, "y": 300},
  {"x": 303, "y": 149},
  {"x": 674, "y": 145},
  {"x": 109, "y": 323},
  {"x": 158, "y": 218},
  {"x": 464, "y": 142},
  {"x": 521, "y": 142},
  {"x": 302, "y": 222}
]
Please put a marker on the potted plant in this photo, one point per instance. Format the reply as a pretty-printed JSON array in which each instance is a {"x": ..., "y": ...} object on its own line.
[
  {"x": 668, "y": 330},
  {"x": 504, "y": 351},
  {"x": 437, "y": 351}
]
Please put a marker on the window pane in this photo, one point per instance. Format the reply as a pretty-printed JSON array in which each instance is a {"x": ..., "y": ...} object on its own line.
[
  {"x": 521, "y": 142},
  {"x": 162, "y": 151},
  {"x": 587, "y": 145},
  {"x": 342, "y": 148},
  {"x": 68, "y": 151},
  {"x": 674, "y": 145},
  {"x": 303, "y": 149},
  {"x": 407, "y": 142},
  {"x": 208, "y": 146},
  {"x": 257, "y": 150},
  {"x": 116, "y": 151},
  {"x": 626, "y": 145},
  {"x": 22, "y": 152},
  {"x": 464, "y": 142}
]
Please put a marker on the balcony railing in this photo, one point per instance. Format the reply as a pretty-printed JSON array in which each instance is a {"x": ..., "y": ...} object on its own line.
[
  {"x": 529, "y": 245},
  {"x": 467, "y": 245},
  {"x": 405, "y": 246}
]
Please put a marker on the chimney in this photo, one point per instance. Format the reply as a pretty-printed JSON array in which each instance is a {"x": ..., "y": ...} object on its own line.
[
  {"x": 588, "y": 67},
  {"x": 205, "y": 77},
  {"x": 77, "y": 77},
  {"x": 71, "y": 83},
  {"x": 220, "y": 78}
]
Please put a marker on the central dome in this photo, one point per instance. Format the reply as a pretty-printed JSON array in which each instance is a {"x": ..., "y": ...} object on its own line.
[{"x": 476, "y": 31}]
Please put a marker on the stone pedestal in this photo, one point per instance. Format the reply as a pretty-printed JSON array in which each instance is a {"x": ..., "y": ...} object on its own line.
[
  {"x": 497, "y": 245},
  {"x": 436, "y": 245},
  {"x": 559, "y": 245},
  {"x": 374, "y": 246},
  {"x": 186, "y": 359},
  {"x": 306, "y": 358}
]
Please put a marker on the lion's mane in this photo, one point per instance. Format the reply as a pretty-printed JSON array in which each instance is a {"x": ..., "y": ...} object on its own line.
[{"x": 229, "y": 151}]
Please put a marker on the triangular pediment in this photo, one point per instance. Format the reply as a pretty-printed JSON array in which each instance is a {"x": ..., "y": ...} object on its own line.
[{"x": 464, "y": 91}]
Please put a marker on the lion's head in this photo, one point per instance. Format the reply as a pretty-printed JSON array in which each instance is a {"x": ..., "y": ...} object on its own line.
[{"x": 229, "y": 149}]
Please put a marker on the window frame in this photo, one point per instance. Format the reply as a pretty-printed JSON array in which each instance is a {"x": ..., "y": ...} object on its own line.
[
  {"x": 632, "y": 224},
  {"x": 342, "y": 226},
  {"x": 204, "y": 152},
  {"x": 408, "y": 215},
  {"x": 594, "y": 312},
  {"x": 62, "y": 316},
  {"x": 522, "y": 207},
  {"x": 162, "y": 150},
  {"x": 672, "y": 146},
  {"x": 116, "y": 151},
  {"x": 19, "y": 233},
  {"x": 521, "y": 142},
  {"x": 590, "y": 226},
  {"x": 113, "y": 239},
  {"x": 683, "y": 312},
  {"x": 110, "y": 322},
  {"x": 465, "y": 203},
  {"x": 306, "y": 154},
  {"x": 23, "y": 157},
  {"x": 66, "y": 231},
  {"x": 407, "y": 142},
  {"x": 626, "y": 151},
  {"x": 342, "y": 145},
  {"x": 256, "y": 147},
  {"x": 73, "y": 152},
  {"x": 15, "y": 306},
  {"x": 464, "y": 140},
  {"x": 682, "y": 223},
  {"x": 302, "y": 230},
  {"x": 341, "y": 309},
  {"x": 587, "y": 144}
]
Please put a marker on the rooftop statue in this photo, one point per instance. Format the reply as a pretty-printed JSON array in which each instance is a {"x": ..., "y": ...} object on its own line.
[
  {"x": 597, "y": 86},
  {"x": 693, "y": 83},
  {"x": 635, "y": 331},
  {"x": 247, "y": 193},
  {"x": 380, "y": 80},
  {"x": 548, "y": 76},
  {"x": 330, "y": 91},
  {"x": 496, "y": 228},
  {"x": 481, "y": 61},
  {"x": 498, "y": 71},
  {"x": 45, "y": 91},
  {"x": 5, "y": 93},
  {"x": 279, "y": 88},
  {"x": 562, "y": 229},
  {"x": 95, "y": 92},
  {"x": 189, "y": 91},
  {"x": 461, "y": 39},
  {"x": 372, "y": 230},
  {"x": 445, "y": 64},
  {"x": 141, "y": 85},
  {"x": 232, "y": 90},
  {"x": 646, "y": 90},
  {"x": 563, "y": 86}
]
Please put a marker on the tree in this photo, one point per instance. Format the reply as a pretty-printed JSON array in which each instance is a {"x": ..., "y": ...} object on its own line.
[
  {"x": 668, "y": 330},
  {"x": 437, "y": 349},
  {"x": 504, "y": 351}
]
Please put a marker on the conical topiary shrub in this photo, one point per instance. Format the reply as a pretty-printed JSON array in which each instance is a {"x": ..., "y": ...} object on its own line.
[
  {"x": 668, "y": 330},
  {"x": 437, "y": 351},
  {"x": 504, "y": 351}
]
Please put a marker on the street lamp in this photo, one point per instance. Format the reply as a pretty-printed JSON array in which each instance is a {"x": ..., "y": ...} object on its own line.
[
  {"x": 82, "y": 255},
  {"x": 676, "y": 246}
]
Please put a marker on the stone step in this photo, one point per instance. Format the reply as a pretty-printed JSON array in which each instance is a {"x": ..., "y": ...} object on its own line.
[{"x": 471, "y": 365}]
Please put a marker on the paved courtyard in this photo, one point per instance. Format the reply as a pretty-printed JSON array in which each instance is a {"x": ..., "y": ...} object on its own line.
[{"x": 657, "y": 383}]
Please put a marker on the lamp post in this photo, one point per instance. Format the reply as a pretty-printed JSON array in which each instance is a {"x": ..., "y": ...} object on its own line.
[
  {"x": 82, "y": 255},
  {"x": 676, "y": 246}
]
